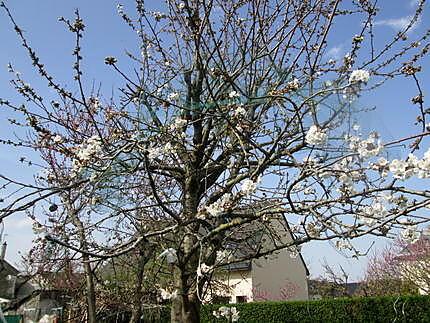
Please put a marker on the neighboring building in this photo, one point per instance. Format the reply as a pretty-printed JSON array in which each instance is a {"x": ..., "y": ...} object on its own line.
[
  {"x": 319, "y": 289},
  {"x": 22, "y": 297},
  {"x": 8, "y": 275},
  {"x": 282, "y": 275},
  {"x": 13, "y": 285}
]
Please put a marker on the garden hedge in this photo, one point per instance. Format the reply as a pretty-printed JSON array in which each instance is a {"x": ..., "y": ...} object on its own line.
[{"x": 362, "y": 309}]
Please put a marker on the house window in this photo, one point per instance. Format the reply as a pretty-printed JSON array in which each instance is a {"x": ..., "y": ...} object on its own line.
[
  {"x": 240, "y": 299},
  {"x": 221, "y": 300}
]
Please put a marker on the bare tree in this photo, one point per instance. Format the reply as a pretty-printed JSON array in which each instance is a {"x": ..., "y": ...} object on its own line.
[
  {"x": 230, "y": 103},
  {"x": 331, "y": 283}
]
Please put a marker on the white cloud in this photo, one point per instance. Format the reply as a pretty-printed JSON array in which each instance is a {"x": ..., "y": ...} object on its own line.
[
  {"x": 414, "y": 3},
  {"x": 398, "y": 24},
  {"x": 21, "y": 223},
  {"x": 18, "y": 234},
  {"x": 335, "y": 52}
]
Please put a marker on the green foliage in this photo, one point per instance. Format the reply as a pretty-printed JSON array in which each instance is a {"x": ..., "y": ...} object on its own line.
[
  {"x": 13, "y": 318},
  {"x": 149, "y": 315},
  {"x": 363, "y": 309},
  {"x": 156, "y": 315},
  {"x": 389, "y": 287}
]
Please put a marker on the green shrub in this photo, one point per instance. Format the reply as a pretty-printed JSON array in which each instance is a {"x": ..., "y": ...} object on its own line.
[{"x": 363, "y": 309}]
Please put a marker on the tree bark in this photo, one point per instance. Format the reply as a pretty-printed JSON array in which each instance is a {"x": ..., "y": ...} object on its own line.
[
  {"x": 176, "y": 310},
  {"x": 191, "y": 308},
  {"x": 91, "y": 295},
  {"x": 89, "y": 276},
  {"x": 185, "y": 309},
  {"x": 186, "y": 305},
  {"x": 138, "y": 293},
  {"x": 136, "y": 311}
]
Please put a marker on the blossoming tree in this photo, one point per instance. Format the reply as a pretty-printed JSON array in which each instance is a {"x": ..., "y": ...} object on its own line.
[
  {"x": 229, "y": 103},
  {"x": 400, "y": 269}
]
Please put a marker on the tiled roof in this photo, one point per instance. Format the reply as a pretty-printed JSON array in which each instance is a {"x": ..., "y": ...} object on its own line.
[{"x": 254, "y": 233}]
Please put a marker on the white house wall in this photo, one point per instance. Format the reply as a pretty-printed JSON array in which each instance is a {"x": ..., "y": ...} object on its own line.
[
  {"x": 241, "y": 285},
  {"x": 236, "y": 283}
]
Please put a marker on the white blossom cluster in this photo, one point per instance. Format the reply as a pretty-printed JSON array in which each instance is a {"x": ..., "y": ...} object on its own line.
[
  {"x": 309, "y": 190},
  {"x": 154, "y": 152},
  {"x": 359, "y": 76},
  {"x": 240, "y": 111},
  {"x": 173, "y": 96},
  {"x": 366, "y": 148},
  {"x": 178, "y": 124},
  {"x": 234, "y": 95},
  {"x": 158, "y": 152},
  {"x": 347, "y": 185},
  {"x": 86, "y": 152},
  {"x": 222, "y": 204},
  {"x": 217, "y": 208},
  {"x": 370, "y": 214},
  {"x": 204, "y": 269},
  {"x": 94, "y": 103},
  {"x": 412, "y": 166},
  {"x": 223, "y": 256},
  {"x": 316, "y": 136},
  {"x": 58, "y": 139},
  {"x": 410, "y": 234},
  {"x": 293, "y": 252},
  {"x": 249, "y": 186},
  {"x": 345, "y": 174},
  {"x": 166, "y": 295},
  {"x": 381, "y": 166},
  {"x": 89, "y": 149},
  {"x": 158, "y": 15},
  {"x": 293, "y": 85},
  {"x": 38, "y": 228},
  {"x": 231, "y": 313}
]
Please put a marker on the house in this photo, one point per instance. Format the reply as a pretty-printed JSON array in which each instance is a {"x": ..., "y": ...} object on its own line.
[
  {"x": 13, "y": 285},
  {"x": 8, "y": 276},
  {"x": 319, "y": 289},
  {"x": 22, "y": 298},
  {"x": 282, "y": 275}
]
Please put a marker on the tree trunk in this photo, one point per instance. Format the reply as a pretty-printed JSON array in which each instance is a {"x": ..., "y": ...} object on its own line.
[
  {"x": 136, "y": 312},
  {"x": 89, "y": 276},
  {"x": 91, "y": 295},
  {"x": 186, "y": 305},
  {"x": 176, "y": 310},
  {"x": 185, "y": 309},
  {"x": 191, "y": 309}
]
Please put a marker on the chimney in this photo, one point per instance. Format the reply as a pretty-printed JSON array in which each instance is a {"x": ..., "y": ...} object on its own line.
[{"x": 3, "y": 251}]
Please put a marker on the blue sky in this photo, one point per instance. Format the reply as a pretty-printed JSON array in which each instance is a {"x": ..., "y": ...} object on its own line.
[{"x": 106, "y": 35}]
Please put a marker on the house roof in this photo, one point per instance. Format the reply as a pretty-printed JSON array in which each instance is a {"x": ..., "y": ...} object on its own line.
[
  {"x": 6, "y": 267},
  {"x": 239, "y": 266},
  {"x": 256, "y": 234},
  {"x": 300, "y": 253},
  {"x": 7, "y": 290},
  {"x": 351, "y": 289}
]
